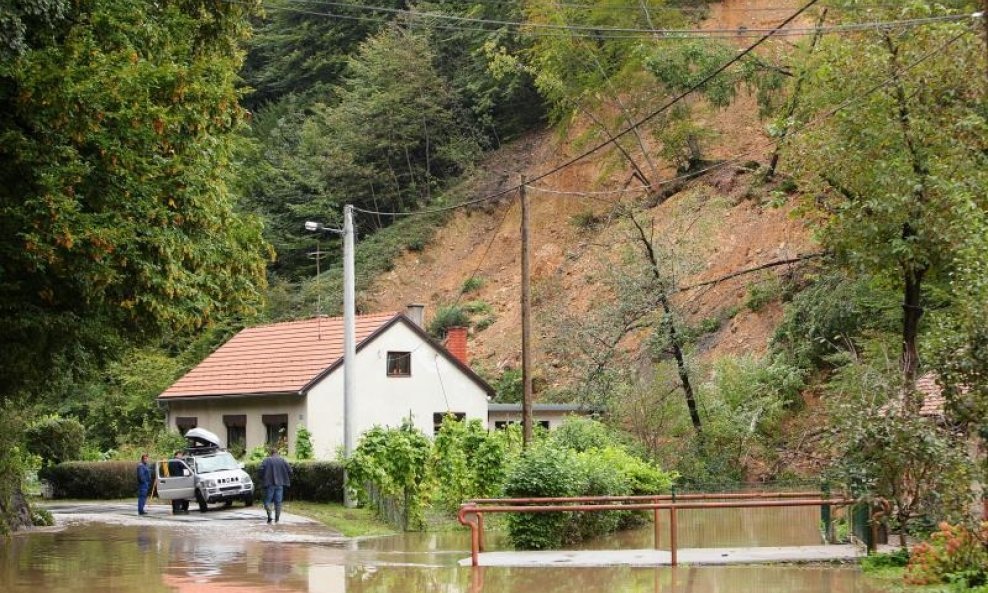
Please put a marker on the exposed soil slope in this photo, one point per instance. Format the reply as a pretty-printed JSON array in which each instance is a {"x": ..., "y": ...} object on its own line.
[{"x": 719, "y": 222}]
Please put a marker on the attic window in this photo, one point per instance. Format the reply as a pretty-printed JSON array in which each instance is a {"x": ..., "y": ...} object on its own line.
[{"x": 399, "y": 364}]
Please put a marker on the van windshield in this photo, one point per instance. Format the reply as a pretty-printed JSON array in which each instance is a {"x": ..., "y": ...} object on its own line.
[{"x": 215, "y": 463}]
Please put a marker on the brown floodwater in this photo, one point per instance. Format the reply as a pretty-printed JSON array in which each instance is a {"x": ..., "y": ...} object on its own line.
[{"x": 248, "y": 557}]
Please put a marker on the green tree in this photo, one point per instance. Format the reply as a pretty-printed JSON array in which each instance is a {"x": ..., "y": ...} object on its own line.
[
  {"x": 896, "y": 170},
  {"x": 882, "y": 449},
  {"x": 394, "y": 134},
  {"x": 116, "y": 219},
  {"x": 297, "y": 51}
]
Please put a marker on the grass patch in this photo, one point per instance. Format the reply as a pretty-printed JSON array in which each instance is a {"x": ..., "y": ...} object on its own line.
[{"x": 350, "y": 522}]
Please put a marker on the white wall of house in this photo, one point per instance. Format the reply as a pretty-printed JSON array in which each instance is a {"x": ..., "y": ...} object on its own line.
[
  {"x": 209, "y": 414},
  {"x": 435, "y": 386}
]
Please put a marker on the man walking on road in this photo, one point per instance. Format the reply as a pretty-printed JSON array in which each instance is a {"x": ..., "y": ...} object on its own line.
[
  {"x": 144, "y": 479},
  {"x": 276, "y": 475}
]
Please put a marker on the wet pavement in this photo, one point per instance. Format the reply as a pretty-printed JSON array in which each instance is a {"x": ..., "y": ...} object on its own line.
[{"x": 688, "y": 556}]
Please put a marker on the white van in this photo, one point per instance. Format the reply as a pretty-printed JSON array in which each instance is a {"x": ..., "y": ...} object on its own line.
[{"x": 207, "y": 474}]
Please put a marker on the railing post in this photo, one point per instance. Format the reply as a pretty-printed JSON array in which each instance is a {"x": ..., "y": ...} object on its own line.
[
  {"x": 672, "y": 535},
  {"x": 474, "y": 543},
  {"x": 656, "y": 520},
  {"x": 480, "y": 530}
]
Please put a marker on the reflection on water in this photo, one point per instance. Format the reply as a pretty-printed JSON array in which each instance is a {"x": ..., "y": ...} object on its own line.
[{"x": 103, "y": 558}]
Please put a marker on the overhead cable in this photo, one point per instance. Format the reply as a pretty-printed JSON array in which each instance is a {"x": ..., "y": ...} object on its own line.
[{"x": 600, "y": 32}]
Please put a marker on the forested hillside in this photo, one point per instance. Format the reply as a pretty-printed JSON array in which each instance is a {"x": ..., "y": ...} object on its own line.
[{"x": 747, "y": 243}]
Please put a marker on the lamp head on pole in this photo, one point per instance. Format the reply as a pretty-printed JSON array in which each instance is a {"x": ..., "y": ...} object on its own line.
[{"x": 317, "y": 227}]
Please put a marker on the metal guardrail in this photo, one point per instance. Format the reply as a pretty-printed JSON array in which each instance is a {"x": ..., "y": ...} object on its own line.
[{"x": 471, "y": 513}]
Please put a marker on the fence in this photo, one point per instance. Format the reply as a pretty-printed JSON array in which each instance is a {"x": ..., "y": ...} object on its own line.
[{"x": 471, "y": 514}]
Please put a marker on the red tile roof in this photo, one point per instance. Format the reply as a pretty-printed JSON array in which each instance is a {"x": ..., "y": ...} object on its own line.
[{"x": 274, "y": 358}]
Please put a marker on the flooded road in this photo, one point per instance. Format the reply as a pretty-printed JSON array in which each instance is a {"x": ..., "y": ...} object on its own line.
[{"x": 233, "y": 550}]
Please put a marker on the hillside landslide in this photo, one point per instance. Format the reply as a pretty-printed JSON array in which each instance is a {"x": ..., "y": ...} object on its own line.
[{"x": 720, "y": 223}]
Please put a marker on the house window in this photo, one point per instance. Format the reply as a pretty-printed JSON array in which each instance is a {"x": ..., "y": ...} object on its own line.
[
  {"x": 502, "y": 424},
  {"x": 186, "y": 423},
  {"x": 399, "y": 364},
  {"x": 438, "y": 417},
  {"x": 276, "y": 429},
  {"x": 236, "y": 433}
]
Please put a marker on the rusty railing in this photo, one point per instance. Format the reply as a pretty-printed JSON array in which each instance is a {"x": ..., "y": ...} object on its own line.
[{"x": 471, "y": 513}]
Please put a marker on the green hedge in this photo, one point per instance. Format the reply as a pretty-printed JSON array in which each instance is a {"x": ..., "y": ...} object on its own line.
[
  {"x": 99, "y": 480},
  {"x": 314, "y": 481}
]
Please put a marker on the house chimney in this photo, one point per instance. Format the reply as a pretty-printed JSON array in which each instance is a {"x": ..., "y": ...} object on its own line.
[
  {"x": 416, "y": 313},
  {"x": 456, "y": 343}
]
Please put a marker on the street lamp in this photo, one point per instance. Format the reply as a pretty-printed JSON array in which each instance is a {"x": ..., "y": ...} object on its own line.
[{"x": 349, "y": 331}]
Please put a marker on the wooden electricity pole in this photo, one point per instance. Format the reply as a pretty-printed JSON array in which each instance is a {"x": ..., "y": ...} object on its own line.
[{"x": 526, "y": 324}]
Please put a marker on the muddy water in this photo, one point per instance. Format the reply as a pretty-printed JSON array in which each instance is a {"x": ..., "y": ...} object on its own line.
[{"x": 191, "y": 558}]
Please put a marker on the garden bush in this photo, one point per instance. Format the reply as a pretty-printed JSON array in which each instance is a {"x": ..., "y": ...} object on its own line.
[
  {"x": 55, "y": 439},
  {"x": 315, "y": 481},
  {"x": 954, "y": 554},
  {"x": 312, "y": 481},
  {"x": 97, "y": 480},
  {"x": 542, "y": 471},
  {"x": 552, "y": 470},
  {"x": 582, "y": 434}
]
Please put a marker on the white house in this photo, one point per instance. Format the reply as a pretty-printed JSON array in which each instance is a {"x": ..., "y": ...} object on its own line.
[{"x": 269, "y": 380}]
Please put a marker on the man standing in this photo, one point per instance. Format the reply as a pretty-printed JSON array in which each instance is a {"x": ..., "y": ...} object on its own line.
[
  {"x": 144, "y": 479},
  {"x": 276, "y": 475}
]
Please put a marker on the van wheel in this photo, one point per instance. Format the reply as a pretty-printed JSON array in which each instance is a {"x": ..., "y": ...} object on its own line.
[
  {"x": 203, "y": 506},
  {"x": 248, "y": 500}
]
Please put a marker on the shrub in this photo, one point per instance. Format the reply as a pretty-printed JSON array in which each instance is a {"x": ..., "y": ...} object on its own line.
[
  {"x": 508, "y": 388},
  {"x": 582, "y": 434},
  {"x": 762, "y": 294},
  {"x": 551, "y": 469},
  {"x": 42, "y": 518},
  {"x": 471, "y": 284},
  {"x": 313, "y": 481},
  {"x": 303, "y": 444},
  {"x": 542, "y": 471},
  {"x": 100, "y": 480},
  {"x": 55, "y": 439},
  {"x": 448, "y": 316},
  {"x": 586, "y": 220},
  {"x": 954, "y": 554},
  {"x": 391, "y": 462}
]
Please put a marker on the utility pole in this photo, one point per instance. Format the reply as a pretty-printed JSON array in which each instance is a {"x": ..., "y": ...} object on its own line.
[
  {"x": 526, "y": 324},
  {"x": 349, "y": 342},
  {"x": 349, "y": 333}
]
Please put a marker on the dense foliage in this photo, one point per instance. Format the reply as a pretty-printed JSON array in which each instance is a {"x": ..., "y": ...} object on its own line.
[
  {"x": 55, "y": 439},
  {"x": 954, "y": 554},
  {"x": 465, "y": 461},
  {"x": 314, "y": 481}
]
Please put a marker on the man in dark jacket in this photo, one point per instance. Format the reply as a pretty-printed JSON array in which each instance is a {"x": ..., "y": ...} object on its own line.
[
  {"x": 144, "y": 480},
  {"x": 276, "y": 475}
]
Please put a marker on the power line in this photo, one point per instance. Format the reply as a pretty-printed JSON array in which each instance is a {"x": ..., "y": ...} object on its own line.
[
  {"x": 671, "y": 102},
  {"x": 826, "y": 115},
  {"x": 678, "y": 97},
  {"x": 628, "y": 130},
  {"x": 596, "y": 32}
]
